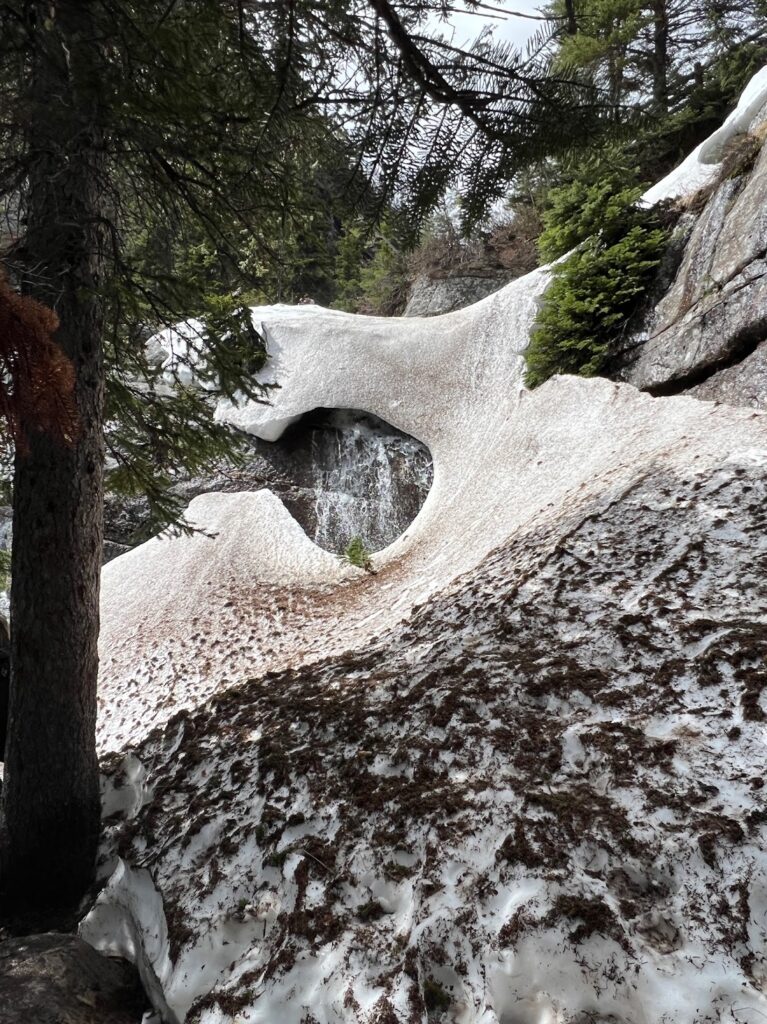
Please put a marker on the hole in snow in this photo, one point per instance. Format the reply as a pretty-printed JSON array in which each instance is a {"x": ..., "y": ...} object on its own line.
[
  {"x": 340, "y": 472},
  {"x": 353, "y": 475}
]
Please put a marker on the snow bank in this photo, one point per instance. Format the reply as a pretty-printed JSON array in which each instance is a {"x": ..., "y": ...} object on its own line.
[
  {"x": 512, "y": 778},
  {"x": 700, "y": 168},
  {"x": 179, "y": 350},
  {"x": 538, "y": 798}
]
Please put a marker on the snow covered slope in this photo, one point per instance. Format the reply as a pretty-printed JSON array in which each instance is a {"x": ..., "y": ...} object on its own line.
[
  {"x": 700, "y": 167},
  {"x": 538, "y": 797},
  {"x": 515, "y": 777}
]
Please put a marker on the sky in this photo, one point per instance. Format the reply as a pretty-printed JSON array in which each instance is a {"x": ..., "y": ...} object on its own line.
[{"x": 518, "y": 30}]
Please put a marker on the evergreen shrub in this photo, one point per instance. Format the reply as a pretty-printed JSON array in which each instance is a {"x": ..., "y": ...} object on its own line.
[
  {"x": 616, "y": 246},
  {"x": 357, "y": 554}
]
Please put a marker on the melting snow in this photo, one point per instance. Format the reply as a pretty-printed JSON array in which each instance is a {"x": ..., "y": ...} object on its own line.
[
  {"x": 701, "y": 166},
  {"x": 516, "y": 776}
]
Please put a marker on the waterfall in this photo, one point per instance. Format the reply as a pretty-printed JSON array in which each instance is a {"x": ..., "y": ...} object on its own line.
[
  {"x": 340, "y": 473},
  {"x": 369, "y": 480}
]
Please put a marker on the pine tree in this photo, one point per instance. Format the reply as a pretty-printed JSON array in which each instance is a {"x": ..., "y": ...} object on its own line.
[{"x": 654, "y": 53}]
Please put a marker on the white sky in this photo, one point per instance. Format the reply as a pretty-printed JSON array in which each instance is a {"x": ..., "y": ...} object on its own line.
[{"x": 518, "y": 30}]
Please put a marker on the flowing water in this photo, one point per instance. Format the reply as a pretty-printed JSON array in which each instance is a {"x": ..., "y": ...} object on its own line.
[
  {"x": 369, "y": 480},
  {"x": 340, "y": 473}
]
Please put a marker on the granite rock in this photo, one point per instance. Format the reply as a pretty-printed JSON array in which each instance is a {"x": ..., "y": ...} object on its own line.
[
  {"x": 59, "y": 979},
  {"x": 431, "y": 296}
]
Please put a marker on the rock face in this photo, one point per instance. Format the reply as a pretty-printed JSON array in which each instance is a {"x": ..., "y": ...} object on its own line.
[
  {"x": 362, "y": 478},
  {"x": 515, "y": 776},
  {"x": 59, "y": 979},
  {"x": 705, "y": 332},
  {"x": 744, "y": 383},
  {"x": 432, "y": 296}
]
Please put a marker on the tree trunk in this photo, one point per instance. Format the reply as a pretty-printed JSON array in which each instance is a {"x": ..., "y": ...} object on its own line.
[
  {"x": 51, "y": 807},
  {"x": 572, "y": 23},
  {"x": 660, "y": 56}
]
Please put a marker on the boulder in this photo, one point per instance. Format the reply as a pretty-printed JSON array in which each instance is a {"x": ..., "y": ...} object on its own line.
[
  {"x": 432, "y": 296},
  {"x": 59, "y": 979}
]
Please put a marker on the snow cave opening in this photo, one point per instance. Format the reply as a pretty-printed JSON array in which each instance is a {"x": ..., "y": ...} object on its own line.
[{"x": 354, "y": 475}]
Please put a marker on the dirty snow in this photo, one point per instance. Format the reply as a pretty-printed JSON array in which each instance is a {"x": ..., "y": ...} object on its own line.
[{"x": 514, "y": 777}]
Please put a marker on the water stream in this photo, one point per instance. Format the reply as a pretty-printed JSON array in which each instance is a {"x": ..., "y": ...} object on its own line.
[{"x": 368, "y": 479}]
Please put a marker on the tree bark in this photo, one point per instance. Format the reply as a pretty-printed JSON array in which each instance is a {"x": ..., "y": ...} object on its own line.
[
  {"x": 660, "y": 55},
  {"x": 572, "y": 23},
  {"x": 51, "y": 808}
]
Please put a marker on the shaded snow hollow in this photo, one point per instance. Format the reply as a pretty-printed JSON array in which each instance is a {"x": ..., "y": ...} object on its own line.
[{"x": 513, "y": 778}]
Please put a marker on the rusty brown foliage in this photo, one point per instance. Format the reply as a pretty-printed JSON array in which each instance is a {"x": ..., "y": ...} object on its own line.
[{"x": 37, "y": 380}]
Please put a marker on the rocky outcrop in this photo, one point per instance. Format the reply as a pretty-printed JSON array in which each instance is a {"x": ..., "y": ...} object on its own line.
[
  {"x": 59, "y": 979},
  {"x": 704, "y": 332},
  {"x": 431, "y": 296},
  {"x": 743, "y": 383}
]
